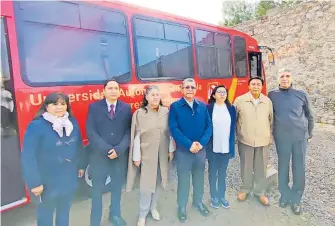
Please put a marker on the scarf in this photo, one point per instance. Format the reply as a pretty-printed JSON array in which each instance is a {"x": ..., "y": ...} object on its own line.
[{"x": 58, "y": 123}]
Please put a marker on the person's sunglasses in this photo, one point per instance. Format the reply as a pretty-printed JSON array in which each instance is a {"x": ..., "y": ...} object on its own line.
[{"x": 190, "y": 87}]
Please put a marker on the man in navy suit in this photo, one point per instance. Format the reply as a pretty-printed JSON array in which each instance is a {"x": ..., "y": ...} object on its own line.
[
  {"x": 108, "y": 131},
  {"x": 191, "y": 127}
]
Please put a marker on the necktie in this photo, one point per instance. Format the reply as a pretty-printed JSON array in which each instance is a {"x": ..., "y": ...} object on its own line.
[{"x": 112, "y": 110}]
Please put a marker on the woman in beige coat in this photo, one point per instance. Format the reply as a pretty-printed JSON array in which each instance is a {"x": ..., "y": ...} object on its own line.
[{"x": 151, "y": 149}]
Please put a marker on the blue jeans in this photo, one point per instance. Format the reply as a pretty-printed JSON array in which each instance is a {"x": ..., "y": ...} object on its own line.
[
  {"x": 45, "y": 211},
  {"x": 217, "y": 173}
]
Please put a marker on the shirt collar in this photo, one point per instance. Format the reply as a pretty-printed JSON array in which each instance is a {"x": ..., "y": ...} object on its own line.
[
  {"x": 289, "y": 88},
  {"x": 252, "y": 97},
  {"x": 260, "y": 98},
  {"x": 152, "y": 110},
  {"x": 183, "y": 101},
  {"x": 109, "y": 104}
]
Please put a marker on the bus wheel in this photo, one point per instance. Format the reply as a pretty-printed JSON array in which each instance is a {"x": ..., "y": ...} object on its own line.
[{"x": 88, "y": 180}]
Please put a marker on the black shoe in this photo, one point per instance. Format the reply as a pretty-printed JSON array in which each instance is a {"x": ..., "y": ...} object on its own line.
[
  {"x": 296, "y": 208},
  {"x": 182, "y": 215},
  {"x": 283, "y": 202},
  {"x": 202, "y": 209},
  {"x": 117, "y": 221}
]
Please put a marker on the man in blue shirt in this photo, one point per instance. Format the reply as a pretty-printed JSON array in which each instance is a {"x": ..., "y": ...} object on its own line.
[
  {"x": 293, "y": 126},
  {"x": 191, "y": 128}
]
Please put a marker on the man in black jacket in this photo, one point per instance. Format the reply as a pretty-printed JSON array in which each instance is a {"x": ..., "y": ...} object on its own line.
[
  {"x": 108, "y": 131},
  {"x": 293, "y": 127}
]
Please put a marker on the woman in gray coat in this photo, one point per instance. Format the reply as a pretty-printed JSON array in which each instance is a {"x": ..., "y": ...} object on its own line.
[{"x": 151, "y": 148}]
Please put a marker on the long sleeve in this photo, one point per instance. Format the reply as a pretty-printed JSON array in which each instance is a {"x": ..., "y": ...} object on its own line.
[
  {"x": 135, "y": 141},
  {"x": 93, "y": 137},
  {"x": 177, "y": 135},
  {"x": 29, "y": 162},
  {"x": 208, "y": 131},
  {"x": 82, "y": 155},
  {"x": 125, "y": 141},
  {"x": 137, "y": 148},
  {"x": 309, "y": 116},
  {"x": 232, "y": 132},
  {"x": 237, "y": 110},
  {"x": 172, "y": 145},
  {"x": 271, "y": 115}
]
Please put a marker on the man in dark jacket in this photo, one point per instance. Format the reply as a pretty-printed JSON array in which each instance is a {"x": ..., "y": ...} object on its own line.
[
  {"x": 293, "y": 126},
  {"x": 191, "y": 128},
  {"x": 108, "y": 131}
]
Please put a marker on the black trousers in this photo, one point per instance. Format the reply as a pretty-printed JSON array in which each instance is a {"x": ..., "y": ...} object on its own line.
[
  {"x": 190, "y": 164},
  {"x": 296, "y": 149},
  {"x": 99, "y": 176}
]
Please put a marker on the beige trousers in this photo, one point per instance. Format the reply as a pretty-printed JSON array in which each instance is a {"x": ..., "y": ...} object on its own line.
[{"x": 254, "y": 162}]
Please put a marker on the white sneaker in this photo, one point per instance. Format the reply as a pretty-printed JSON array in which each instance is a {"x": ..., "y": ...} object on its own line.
[
  {"x": 155, "y": 215},
  {"x": 141, "y": 222}
]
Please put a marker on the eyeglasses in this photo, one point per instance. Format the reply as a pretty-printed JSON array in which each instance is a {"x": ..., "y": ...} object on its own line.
[
  {"x": 189, "y": 87},
  {"x": 221, "y": 92}
]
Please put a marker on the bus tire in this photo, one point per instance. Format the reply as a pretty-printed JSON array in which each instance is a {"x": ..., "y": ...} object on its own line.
[{"x": 86, "y": 183}]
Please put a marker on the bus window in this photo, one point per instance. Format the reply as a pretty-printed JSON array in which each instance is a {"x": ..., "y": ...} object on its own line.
[
  {"x": 102, "y": 20},
  {"x": 49, "y": 13},
  {"x": 255, "y": 64},
  {"x": 59, "y": 55},
  {"x": 213, "y": 54},
  {"x": 163, "y": 50},
  {"x": 240, "y": 56},
  {"x": 5, "y": 71}
]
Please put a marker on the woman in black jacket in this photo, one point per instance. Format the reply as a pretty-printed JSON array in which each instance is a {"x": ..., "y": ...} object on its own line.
[{"x": 221, "y": 146}]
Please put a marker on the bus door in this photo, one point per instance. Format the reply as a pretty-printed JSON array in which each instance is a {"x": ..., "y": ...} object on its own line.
[
  {"x": 255, "y": 64},
  {"x": 12, "y": 185}
]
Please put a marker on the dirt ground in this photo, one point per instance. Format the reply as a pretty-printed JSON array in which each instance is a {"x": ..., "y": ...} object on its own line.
[
  {"x": 318, "y": 201},
  {"x": 248, "y": 213}
]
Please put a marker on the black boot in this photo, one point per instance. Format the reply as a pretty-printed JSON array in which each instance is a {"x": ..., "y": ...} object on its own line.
[
  {"x": 202, "y": 209},
  {"x": 182, "y": 215},
  {"x": 296, "y": 208}
]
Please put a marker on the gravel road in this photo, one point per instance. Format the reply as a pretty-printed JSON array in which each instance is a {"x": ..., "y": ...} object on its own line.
[
  {"x": 319, "y": 196},
  {"x": 318, "y": 200}
]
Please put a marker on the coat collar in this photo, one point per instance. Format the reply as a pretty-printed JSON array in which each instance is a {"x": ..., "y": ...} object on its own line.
[
  {"x": 286, "y": 90},
  {"x": 161, "y": 111},
  {"x": 210, "y": 108},
  {"x": 249, "y": 98},
  {"x": 118, "y": 108},
  {"x": 182, "y": 101}
]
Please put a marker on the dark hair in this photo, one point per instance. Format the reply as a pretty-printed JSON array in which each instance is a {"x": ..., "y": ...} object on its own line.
[
  {"x": 111, "y": 80},
  {"x": 53, "y": 98},
  {"x": 145, "y": 101},
  {"x": 256, "y": 77},
  {"x": 212, "y": 99}
]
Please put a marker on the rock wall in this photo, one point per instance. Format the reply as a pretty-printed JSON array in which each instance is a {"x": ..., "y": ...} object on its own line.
[{"x": 303, "y": 39}]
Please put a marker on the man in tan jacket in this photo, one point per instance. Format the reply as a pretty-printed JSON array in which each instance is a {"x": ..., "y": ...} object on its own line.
[{"x": 254, "y": 125}]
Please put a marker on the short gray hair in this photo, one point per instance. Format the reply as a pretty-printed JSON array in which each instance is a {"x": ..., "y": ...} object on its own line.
[
  {"x": 284, "y": 69},
  {"x": 188, "y": 80}
]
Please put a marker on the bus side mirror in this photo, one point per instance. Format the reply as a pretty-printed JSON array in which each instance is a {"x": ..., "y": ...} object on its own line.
[{"x": 271, "y": 56}]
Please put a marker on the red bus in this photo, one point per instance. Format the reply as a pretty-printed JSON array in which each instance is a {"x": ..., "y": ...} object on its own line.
[{"x": 75, "y": 46}]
